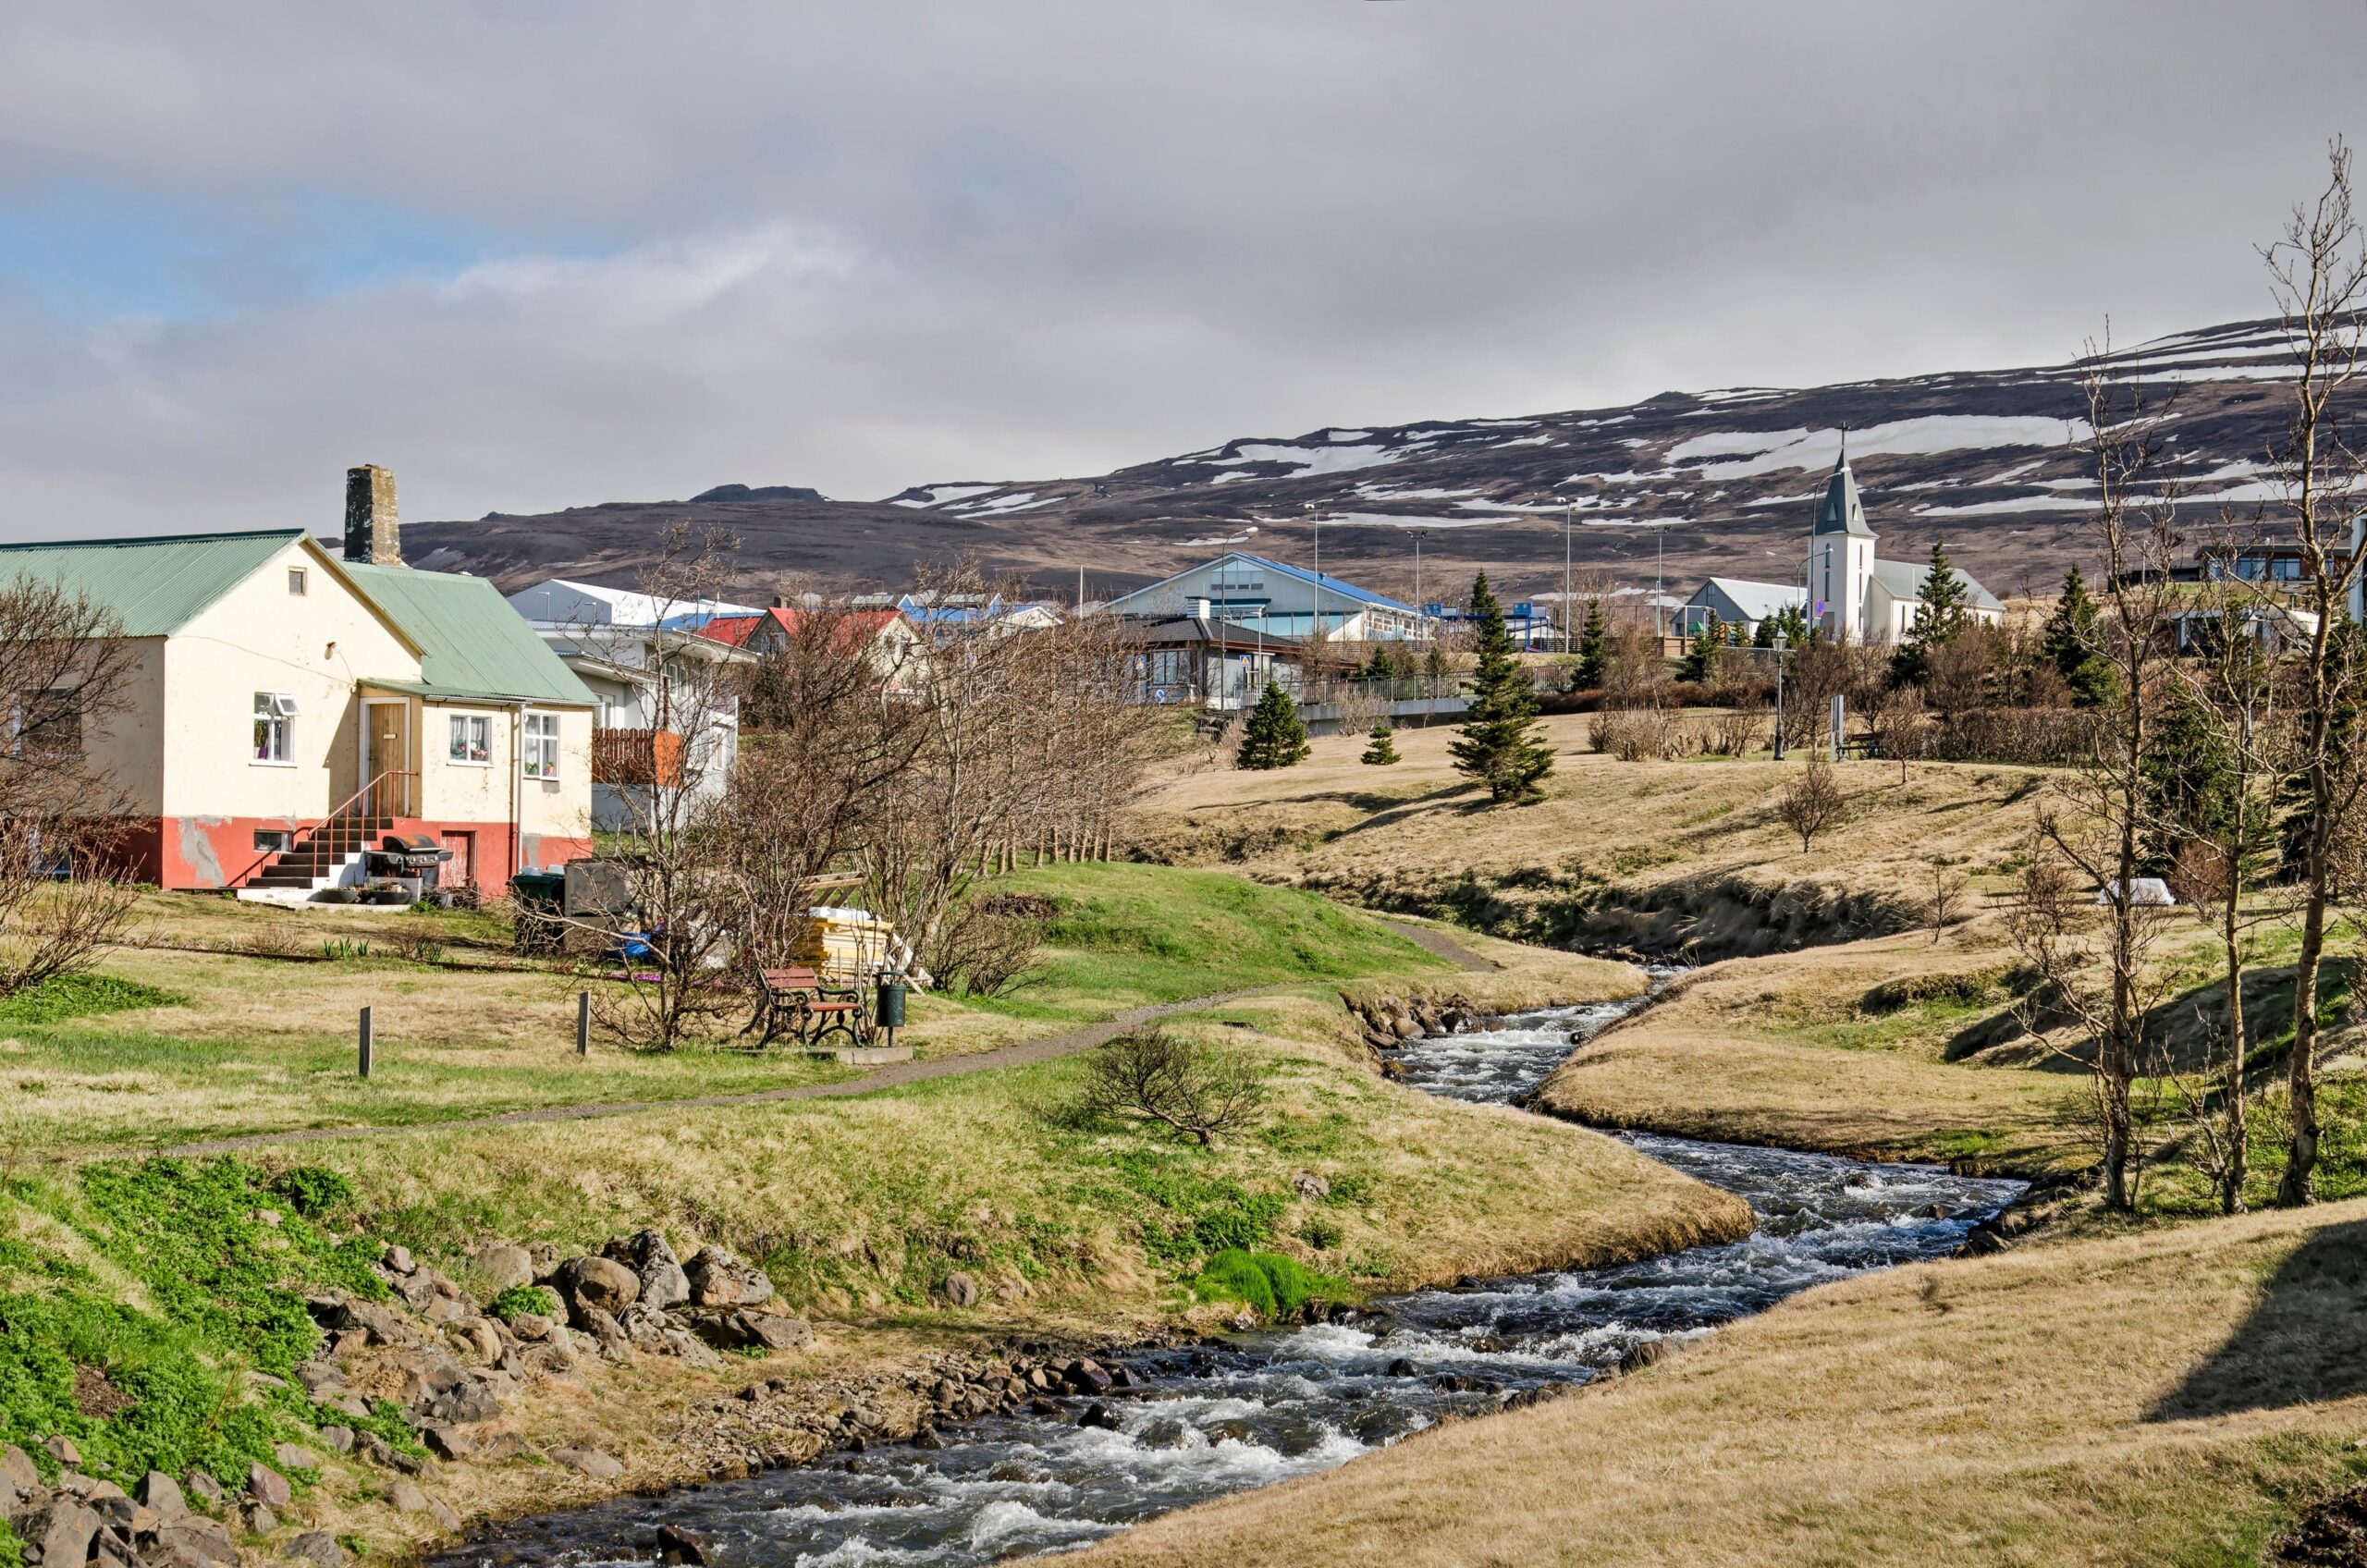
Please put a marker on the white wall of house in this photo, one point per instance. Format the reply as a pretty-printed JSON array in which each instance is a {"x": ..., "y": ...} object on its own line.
[{"x": 263, "y": 636}]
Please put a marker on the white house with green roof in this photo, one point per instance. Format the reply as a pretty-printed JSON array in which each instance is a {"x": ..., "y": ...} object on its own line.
[{"x": 287, "y": 708}]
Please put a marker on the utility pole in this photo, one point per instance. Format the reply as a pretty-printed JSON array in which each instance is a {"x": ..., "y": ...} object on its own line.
[
  {"x": 1660, "y": 565},
  {"x": 1569, "y": 521},
  {"x": 1317, "y": 519}
]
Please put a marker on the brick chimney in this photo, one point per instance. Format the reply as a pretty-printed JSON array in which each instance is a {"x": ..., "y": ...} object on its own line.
[{"x": 372, "y": 534}]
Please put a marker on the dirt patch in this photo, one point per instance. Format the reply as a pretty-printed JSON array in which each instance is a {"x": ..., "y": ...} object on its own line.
[
  {"x": 95, "y": 1397},
  {"x": 2331, "y": 1534}
]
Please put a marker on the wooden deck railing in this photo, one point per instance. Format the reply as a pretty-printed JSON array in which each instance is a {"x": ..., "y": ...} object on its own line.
[{"x": 637, "y": 757}]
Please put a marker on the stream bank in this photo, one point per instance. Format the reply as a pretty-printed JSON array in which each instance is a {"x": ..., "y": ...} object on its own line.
[{"x": 1180, "y": 1426}]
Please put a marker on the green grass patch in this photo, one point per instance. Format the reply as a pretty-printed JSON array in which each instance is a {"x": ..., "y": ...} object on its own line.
[
  {"x": 520, "y": 1300},
  {"x": 62, "y": 996},
  {"x": 1270, "y": 1285},
  {"x": 206, "y": 1267},
  {"x": 1128, "y": 935}
]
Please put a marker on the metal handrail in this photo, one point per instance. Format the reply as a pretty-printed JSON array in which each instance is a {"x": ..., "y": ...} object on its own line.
[{"x": 335, "y": 812}]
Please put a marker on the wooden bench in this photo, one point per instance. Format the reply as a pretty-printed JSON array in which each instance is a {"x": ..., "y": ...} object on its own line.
[{"x": 796, "y": 1002}]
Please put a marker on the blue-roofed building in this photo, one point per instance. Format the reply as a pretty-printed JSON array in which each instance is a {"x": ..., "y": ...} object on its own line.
[{"x": 1279, "y": 599}]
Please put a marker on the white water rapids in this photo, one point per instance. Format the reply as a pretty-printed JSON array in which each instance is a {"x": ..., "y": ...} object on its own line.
[{"x": 1263, "y": 1406}]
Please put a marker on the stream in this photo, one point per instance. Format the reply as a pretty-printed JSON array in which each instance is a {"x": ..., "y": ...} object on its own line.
[{"x": 1269, "y": 1404}]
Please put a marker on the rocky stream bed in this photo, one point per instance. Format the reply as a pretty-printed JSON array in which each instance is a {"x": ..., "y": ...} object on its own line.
[{"x": 982, "y": 1460}]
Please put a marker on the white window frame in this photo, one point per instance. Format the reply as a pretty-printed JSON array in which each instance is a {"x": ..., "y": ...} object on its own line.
[
  {"x": 538, "y": 746},
  {"x": 462, "y": 725},
  {"x": 300, "y": 583},
  {"x": 273, "y": 742}
]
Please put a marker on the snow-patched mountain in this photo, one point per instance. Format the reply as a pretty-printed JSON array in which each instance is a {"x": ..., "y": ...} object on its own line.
[{"x": 1683, "y": 484}]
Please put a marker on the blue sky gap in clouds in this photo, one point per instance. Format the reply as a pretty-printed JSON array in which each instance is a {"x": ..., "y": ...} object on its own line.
[{"x": 90, "y": 254}]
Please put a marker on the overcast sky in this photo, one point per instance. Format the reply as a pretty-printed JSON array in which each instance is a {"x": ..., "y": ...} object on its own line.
[{"x": 546, "y": 253}]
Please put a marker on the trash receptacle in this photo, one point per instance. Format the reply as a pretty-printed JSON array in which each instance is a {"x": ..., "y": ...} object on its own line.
[{"x": 892, "y": 1004}]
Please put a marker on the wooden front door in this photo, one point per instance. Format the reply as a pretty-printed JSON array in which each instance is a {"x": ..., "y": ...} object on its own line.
[
  {"x": 460, "y": 871},
  {"x": 385, "y": 758}
]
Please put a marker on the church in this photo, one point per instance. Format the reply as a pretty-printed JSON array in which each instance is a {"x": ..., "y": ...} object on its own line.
[{"x": 1849, "y": 593}]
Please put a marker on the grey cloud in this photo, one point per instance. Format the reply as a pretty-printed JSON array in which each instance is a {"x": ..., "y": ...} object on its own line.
[{"x": 867, "y": 246}]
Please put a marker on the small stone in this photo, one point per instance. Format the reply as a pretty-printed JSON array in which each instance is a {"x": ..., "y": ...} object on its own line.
[
  {"x": 447, "y": 1443},
  {"x": 676, "y": 1545},
  {"x": 317, "y": 1547},
  {"x": 775, "y": 1332},
  {"x": 1311, "y": 1186},
  {"x": 204, "y": 1539},
  {"x": 444, "y": 1518},
  {"x": 62, "y": 1448},
  {"x": 321, "y": 1378},
  {"x": 407, "y": 1497},
  {"x": 268, "y": 1486},
  {"x": 501, "y": 1447},
  {"x": 260, "y": 1519},
  {"x": 336, "y": 1440},
  {"x": 398, "y": 1261},
  {"x": 18, "y": 1469},
  {"x": 270, "y": 1217},
  {"x": 1098, "y": 1415},
  {"x": 63, "y": 1531},
  {"x": 288, "y": 1456},
  {"x": 110, "y": 1502},
  {"x": 601, "y": 1283},
  {"x": 205, "y": 1488},
  {"x": 961, "y": 1288},
  {"x": 162, "y": 1493},
  {"x": 531, "y": 1326},
  {"x": 589, "y": 1461},
  {"x": 503, "y": 1266}
]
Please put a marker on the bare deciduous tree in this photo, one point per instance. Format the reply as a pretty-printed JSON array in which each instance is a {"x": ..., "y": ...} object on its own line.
[
  {"x": 2318, "y": 271},
  {"x": 1812, "y": 802},
  {"x": 2097, "y": 820},
  {"x": 64, "y": 675},
  {"x": 1950, "y": 889},
  {"x": 1153, "y": 1075}
]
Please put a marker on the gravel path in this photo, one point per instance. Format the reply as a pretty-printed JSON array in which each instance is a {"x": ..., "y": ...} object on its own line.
[
  {"x": 882, "y": 1078},
  {"x": 1431, "y": 939}
]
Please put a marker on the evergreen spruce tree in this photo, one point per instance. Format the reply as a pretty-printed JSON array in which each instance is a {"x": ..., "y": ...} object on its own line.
[
  {"x": 1701, "y": 661},
  {"x": 1940, "y": 614},
  {"x": 1383, "y": 749},
  {"x": 1594, "y": 651},
  {"x": 1791, "y": 620},
  {"x": 1379, "y": 667},
  {"x": 1275, "y": 737},
  {"x": 1499, "y": 746},
  {"x": 2189, "y": 783},
  {"x": 2070, "y": 645}
]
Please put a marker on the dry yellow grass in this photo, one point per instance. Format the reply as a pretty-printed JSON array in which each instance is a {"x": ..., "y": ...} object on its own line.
[
  {"x": 1786, "y": 1050},
  {"x": 1404, "y": 836},
  {"x": 2167, "y": 1397}
]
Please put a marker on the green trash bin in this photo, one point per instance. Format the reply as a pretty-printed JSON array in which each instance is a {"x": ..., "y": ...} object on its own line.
[{"x": 892, "y": 1004}]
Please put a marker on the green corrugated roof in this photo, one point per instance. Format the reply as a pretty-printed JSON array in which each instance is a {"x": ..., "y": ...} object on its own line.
[
  {"x": 473, "y": 644},
  {"x": 152, "y": 586}
]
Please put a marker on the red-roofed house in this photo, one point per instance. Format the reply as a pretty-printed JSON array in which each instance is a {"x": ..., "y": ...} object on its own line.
[{"x": 896, "y": 646}]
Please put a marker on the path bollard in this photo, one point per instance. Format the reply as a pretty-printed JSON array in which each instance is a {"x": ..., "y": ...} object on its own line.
[
  {"x": 365, "y": 1042},
  {"x": 583, "y": 1024}
]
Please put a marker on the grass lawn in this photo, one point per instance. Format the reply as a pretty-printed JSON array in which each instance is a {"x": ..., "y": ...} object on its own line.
[{"x": 227, "y": 1019}]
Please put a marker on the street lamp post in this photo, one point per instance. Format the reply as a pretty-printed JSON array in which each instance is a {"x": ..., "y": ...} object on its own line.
[
  {"x": 1782, "y": 637},
  {"x": 1569, "y": 519}
]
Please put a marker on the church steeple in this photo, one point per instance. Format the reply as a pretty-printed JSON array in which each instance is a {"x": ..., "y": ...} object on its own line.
[{"x": 1841, "y": 511}]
